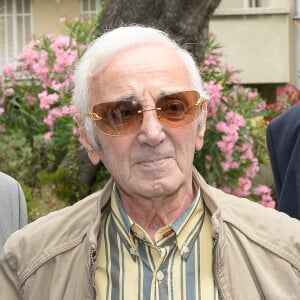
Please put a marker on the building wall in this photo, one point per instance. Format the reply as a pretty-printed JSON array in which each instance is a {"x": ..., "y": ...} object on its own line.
[
  {"x": 261, "y": 39},
  {"x": 46, "y": 14},
  {"x": 260, "y": 3},
  {"x": 257, "y": 41}
]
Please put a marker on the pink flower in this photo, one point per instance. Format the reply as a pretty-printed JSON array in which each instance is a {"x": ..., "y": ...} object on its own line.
[
  {"x": 268, "y": 203},
  {"x": 262, "y": 189},
  {"x": 244, "y": 186},
  {"x": 226, "y": 166},
  {"x": 230, "y": 69},
  {"x": 49, "y": 120},
  {"x": 2, "y": 110},
  {"x": 47, "y": 136},
  {"x": 30, "y": 99},
  {"x": 252, "y": 95},
  {"x": 235, "y": 118},
  {"x": 226, "y": 189},
  {"x": 8, "y": 68},
  {"x": 72, "y": 109},
  {"x": 237, "y": 79},
  {"x": 9, "y": 92},
  {"x": 225, "y": 146},
  {"x": 56, "y": 112},
  {"x": 65, "y": 110},
  {"x": 47, "y": 99},
  {"x": 75, "y": 130},
  {"x": 213, "y": 89},
  {"x": 222, "y": 126}
]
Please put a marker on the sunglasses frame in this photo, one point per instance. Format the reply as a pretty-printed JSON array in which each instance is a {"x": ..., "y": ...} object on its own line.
[{"x": 95, "y": 117}]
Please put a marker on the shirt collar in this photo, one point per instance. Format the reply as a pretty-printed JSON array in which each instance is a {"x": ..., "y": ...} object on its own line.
[{"x": 186, "y": 227}]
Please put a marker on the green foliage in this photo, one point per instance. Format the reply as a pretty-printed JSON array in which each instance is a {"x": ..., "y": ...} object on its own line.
[
  {"x": 83, "y": 30},
  {"x": 41, "y": 202},
  {"x": 21, "y": 159},
  {"x": 60, "y": 182}
]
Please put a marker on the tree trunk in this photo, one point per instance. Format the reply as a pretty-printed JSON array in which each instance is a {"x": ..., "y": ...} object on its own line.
[{"x": 186, "y": 21}]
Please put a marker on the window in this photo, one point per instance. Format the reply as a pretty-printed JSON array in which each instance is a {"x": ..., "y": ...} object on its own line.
[
  {"x": 15, "y": 28},
  {"x": 257, "y": 3},
  {"x": 90, "y": 8}
]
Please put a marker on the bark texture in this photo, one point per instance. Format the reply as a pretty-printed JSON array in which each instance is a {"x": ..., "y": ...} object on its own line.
[{"x": 186, "y": 21}]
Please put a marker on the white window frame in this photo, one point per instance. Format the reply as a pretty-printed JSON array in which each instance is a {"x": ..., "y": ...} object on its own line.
[
  {"x": 12, "y": 44},
  {"x": 89, "y": 12},
  {"x": 253, "y": 3}
]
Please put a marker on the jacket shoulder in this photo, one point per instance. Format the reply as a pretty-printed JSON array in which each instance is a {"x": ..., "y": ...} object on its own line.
[
  {"x": 52, "y": 234},
  {"x": 271, "y": 229}
]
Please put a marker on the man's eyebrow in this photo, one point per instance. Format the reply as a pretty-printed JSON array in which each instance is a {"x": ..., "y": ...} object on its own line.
[
  {"x": 169, "y": 92},
  {"x": 130, "y": 97}
]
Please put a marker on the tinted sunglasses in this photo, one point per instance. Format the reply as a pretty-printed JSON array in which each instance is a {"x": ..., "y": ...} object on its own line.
[{"x": 125, "y": 117}]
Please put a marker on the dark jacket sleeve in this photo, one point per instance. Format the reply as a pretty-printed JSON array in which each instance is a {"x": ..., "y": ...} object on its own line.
[{"x": 283, "y": 140}]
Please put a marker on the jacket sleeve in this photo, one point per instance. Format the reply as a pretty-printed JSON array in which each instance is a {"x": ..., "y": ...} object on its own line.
[
  {"x": 22, "y": 208},
  {"x": 13, "y": 210},
  {"x": 9, "y": 284},
  {"x": 271, "y": 144}
]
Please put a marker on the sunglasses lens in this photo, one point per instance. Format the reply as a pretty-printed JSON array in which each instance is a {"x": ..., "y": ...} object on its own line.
[
  {"x": 118, "y": 118},
  {"x": 179, "y": 109},
  {"x": 125, "y": 117}
]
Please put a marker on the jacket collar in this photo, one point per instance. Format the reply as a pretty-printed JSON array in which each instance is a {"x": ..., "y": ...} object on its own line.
[{"x": 104, "y": 198}]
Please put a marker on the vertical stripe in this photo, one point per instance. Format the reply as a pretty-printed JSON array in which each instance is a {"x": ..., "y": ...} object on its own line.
[
  {"x": 171, "y": 270},
  {"x": 147, "y": 272},
  {"x": 106, "y": 241},
  {"x": 140, "y": 281},
  {"x": 115, "y": 261},
  {"x": 197, "y": 271},
  {"x": 190, "y": 277},
  {"x": 182, "y": 279},
  {"x": 122, "y": 271}
]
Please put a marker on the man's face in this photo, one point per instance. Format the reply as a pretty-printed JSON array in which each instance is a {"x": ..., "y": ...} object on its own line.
[{"x": 155, "y": 161}]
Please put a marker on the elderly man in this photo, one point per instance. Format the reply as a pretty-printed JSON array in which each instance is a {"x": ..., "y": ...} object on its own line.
[
  {"x": 156, "y": 230},
  {"x": 283, "y": 140},
  {"x": 13, "y": 212}
]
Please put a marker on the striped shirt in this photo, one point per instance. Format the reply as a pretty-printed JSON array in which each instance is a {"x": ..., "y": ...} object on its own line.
[{"x": 177, "y": 266}]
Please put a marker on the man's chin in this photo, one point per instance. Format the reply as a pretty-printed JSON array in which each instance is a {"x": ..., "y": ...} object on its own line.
[{"x": 158, "y": 187}]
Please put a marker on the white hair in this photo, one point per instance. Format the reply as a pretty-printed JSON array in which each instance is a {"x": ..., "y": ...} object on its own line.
[{"x": 98, "y": 55}]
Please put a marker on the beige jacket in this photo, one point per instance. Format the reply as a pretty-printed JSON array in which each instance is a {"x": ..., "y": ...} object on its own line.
[{"x": 256, "y": 251}]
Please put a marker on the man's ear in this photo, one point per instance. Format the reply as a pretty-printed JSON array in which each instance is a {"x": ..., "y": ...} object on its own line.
[
  {"x": 201, "y": 128},
  {"x": 93, "y": 153}
]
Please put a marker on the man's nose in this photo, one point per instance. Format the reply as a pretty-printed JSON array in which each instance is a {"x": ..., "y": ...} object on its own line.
[{"x": 151, "y": 131}]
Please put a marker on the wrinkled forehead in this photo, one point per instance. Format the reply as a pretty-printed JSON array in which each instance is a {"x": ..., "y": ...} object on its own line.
[{"x": 141, "y": 67}]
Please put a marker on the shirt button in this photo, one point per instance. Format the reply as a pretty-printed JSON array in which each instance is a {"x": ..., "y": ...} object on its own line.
[
  {"x": 132, "y": 251},
  {"x": 160, "y": 275},
  {"x": 185, "y": 250}
]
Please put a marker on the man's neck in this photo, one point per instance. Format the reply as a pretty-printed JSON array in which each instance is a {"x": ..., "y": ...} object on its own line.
[{"x": 153, "y": 214}]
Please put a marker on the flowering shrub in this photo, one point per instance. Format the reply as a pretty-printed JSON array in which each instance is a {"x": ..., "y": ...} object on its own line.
[
  {"x": 287, "y": 96},
  {"x": 35, "y": 103},
  {"x": 36, "y": 95},
  {"x": 36, "y": 99},
  {"x": 235, "y": 136}
]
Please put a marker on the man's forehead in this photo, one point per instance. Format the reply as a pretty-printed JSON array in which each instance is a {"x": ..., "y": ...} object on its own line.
[
  {"x": 143, "y": 54},
  {"x": 150, "y": 70}
]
